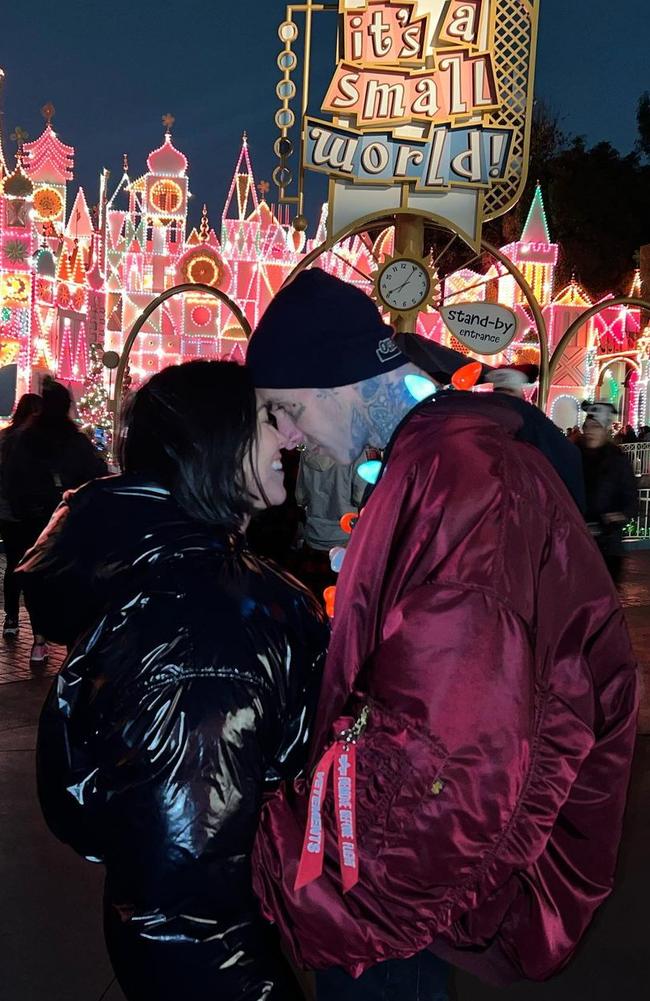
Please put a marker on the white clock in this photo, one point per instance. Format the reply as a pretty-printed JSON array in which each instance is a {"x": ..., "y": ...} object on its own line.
[{"x": 404, "y": 285}]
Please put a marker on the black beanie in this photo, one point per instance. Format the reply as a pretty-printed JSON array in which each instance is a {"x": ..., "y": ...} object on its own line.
[{"x": 320, "y": 332}]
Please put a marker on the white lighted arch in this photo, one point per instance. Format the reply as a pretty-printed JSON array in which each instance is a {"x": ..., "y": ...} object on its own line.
[
  {"x": 602, "y": 368},
  {"x": 570, "y": 407}
]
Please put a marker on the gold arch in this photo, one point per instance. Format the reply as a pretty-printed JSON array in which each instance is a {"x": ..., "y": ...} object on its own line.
[
  {"x": 146, "y": 313},
  {"x": 573, "y": 328},
  {"x": 362, "y": 224},
  {"x": 602, "y": 368}
]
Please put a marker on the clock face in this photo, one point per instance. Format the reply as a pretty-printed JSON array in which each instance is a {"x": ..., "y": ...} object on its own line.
[
  {"x": 166, "y": 196},
  {"x": 404, "y": 285}
]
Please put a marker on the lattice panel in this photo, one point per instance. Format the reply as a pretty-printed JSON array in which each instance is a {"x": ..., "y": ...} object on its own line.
[
  {"x": 514, "y": 40},
  {"x": 571, "y": 369}
]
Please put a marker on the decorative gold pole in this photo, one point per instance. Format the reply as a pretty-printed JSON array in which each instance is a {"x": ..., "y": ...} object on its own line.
[{"x": 409, "y": 242}]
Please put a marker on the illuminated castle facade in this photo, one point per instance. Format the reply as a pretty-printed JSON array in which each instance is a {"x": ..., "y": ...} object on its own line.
[
  {"x": 71, "y": 277},
  {"x": 607, "y": 359}
]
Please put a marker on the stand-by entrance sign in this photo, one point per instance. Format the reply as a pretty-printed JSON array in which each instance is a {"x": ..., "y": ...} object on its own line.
[
  {"x": 484, "y": 327},
  {"x": 428, "y": 110}
]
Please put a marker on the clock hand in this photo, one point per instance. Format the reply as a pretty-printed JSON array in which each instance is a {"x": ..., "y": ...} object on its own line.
[{"x": 400, "y": 287}]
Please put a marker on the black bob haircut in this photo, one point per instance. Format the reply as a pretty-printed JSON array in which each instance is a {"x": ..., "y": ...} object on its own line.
[{"x": 190, "y": 429}]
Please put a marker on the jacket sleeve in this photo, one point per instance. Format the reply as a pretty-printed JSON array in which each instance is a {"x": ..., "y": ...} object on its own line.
[
  {"x": 17, "y": 477},
  {"x": 88, "y": 463},
  {"x": 55, "y": 574},
  {"x": 172, "y": 810}
]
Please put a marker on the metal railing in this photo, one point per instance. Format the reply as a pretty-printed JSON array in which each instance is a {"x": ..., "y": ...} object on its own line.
[
  {"x": 639, "y": 455},
  {"x": 639, "y": 529}
]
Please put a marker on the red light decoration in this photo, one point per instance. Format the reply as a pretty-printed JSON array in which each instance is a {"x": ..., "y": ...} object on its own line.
[
  {"x": 201, "y": 315},
  {"x": 348, "y": 521},
  {"x": 467, "y": 376},
  {"x": 329, "y": 594}
]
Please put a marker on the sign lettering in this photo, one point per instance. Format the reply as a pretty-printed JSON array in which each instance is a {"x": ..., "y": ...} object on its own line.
[
  {"x": 485, "y": 327},
  {"x": 432, "y": 94},
  {"x": 451, "y": 156}
]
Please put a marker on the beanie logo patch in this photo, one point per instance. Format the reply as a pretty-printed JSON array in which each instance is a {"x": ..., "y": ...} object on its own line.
[{"x": 387, "y": 350}]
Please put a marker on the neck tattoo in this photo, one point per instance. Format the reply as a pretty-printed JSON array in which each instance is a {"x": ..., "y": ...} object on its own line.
[{"x": 386, "y": 400}]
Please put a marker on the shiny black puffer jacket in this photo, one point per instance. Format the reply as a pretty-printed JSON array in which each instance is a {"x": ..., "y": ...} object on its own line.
[{"x": 188, "y": 696}]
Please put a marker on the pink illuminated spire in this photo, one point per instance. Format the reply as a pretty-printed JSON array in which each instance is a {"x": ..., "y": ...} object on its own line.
[
  {"x": 47, "y": 158},
  {"x": 242, "y": 186},
  {"x": 536, "y": 228},
  {"x": 80, "y": 226},
  {"x": 636, "y": 286}
]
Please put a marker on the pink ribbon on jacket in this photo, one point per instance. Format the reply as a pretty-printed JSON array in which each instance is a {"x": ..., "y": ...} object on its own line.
[{"x": 343, "y": 756}]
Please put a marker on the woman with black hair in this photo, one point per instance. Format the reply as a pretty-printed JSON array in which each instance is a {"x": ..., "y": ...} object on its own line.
[
  {"x": 16, "y": 536},
  {"x": 47, "y": 458},
  {"x": 190, "y": 693}
]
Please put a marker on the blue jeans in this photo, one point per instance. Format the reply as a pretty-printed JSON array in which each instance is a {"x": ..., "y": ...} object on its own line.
[{"x": 421, "y": 978}]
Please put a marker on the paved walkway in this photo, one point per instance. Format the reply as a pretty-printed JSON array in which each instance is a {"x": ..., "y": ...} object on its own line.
[{"x": 51, "y": 946}]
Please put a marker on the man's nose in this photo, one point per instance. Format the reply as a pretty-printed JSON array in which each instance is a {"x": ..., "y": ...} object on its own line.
[{"x": 289, "y": 431}]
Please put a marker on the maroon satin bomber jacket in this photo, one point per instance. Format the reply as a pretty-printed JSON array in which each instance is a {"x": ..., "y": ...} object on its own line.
[{"x": 476, "y": 619}]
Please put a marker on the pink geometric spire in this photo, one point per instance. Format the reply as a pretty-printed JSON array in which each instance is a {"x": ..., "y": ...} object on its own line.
[
  {"x": 536, "y": 228},
  {"x": 636, "y": 286},
  {"x": 80, "y": 226},
  {"x": 242, "y": 185},
  {"x": 48, "y": 159}
]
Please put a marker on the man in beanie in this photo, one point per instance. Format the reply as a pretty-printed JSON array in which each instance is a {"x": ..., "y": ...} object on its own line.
[
  {"x": 479, "y": 701},
  {"x": 612, "y": 497}
]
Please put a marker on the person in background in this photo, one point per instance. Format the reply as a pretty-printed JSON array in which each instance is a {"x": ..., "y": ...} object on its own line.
[
  {"x": 644, "y": 433},
  {"x": 47, "y": 458},
  {"x": 190, "y": 693},
  {"x": 508, "y": 384},
  {"x": 12, "y": 530},
  {"x": 610, "y": 485},
  {"x": 480, "y": 668},
  {"x": 629, "y": 436},
  {"x": 326, "y": 490}
]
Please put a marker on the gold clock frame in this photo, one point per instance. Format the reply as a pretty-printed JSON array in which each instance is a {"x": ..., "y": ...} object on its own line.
[{"x": 411, "y": 258}]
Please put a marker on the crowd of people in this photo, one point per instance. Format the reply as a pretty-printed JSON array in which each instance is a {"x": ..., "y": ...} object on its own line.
[
  {"x": 287, "y": 807},
  {"x": 620, "y": 435}
]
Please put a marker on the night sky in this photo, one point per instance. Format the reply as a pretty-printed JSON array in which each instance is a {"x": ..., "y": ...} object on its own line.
[{"x": 113, "y": 69}]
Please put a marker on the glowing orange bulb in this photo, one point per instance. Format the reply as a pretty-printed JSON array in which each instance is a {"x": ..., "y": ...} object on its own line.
[
  {"x": 467, "y": 376},
  {"x": 329, "y": 594},
  {"x": 348, "y": 521}
]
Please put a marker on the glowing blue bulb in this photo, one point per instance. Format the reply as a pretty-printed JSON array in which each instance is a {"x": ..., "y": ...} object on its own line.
[
  {"x": 419, "y": 387},
  {"x": 369, "y": 471},
  {"x": 337, "y": 555}
]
